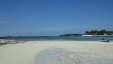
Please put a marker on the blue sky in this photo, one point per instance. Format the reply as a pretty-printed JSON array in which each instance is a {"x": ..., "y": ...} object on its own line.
[{"x": 54, "y": 17}]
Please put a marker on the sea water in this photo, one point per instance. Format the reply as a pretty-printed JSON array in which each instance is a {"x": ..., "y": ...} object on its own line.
[{"x": 71, "y": 38}]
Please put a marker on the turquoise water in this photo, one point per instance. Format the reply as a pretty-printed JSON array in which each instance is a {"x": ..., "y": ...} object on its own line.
[{"x": 72, "y": 38}]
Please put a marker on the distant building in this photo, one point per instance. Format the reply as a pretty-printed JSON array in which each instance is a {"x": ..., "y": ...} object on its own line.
[{"x": 87, "y": 35}]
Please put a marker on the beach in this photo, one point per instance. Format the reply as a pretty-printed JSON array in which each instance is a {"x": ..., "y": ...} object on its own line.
[{"x": 57, "y": 52}]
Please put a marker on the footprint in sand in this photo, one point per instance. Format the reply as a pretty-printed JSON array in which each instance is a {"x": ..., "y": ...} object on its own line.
[{"x": 63, "y": 56}]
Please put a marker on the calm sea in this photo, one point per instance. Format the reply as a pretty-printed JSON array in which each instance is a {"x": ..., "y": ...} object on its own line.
[{"x": 72, "y": 38}]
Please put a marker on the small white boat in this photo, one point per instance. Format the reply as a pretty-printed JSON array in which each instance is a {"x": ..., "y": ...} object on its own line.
[{"x": 104, "y": 40}]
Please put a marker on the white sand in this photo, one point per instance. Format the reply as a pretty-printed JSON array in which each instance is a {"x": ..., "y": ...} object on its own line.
[{"x": 32, "y": 52}]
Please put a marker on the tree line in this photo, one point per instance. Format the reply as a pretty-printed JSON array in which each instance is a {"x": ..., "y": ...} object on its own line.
[{"x": 99, "y": 32}]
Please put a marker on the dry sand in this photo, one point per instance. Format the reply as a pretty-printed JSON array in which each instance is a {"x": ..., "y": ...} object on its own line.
[{"x": 57, "y": 52}]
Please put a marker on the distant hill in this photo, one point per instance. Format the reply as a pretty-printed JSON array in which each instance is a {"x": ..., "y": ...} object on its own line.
[{"x": 71, "y": 35}]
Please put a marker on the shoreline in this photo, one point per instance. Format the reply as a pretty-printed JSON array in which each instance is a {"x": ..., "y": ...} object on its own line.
[{"x": 26, "y": 53}]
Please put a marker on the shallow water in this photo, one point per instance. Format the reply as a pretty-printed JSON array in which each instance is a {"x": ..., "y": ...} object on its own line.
[{"x": 71, "y": 38}]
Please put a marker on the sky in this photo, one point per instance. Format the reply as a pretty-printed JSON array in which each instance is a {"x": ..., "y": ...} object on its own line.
[{"x": 54, "y": 17}]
